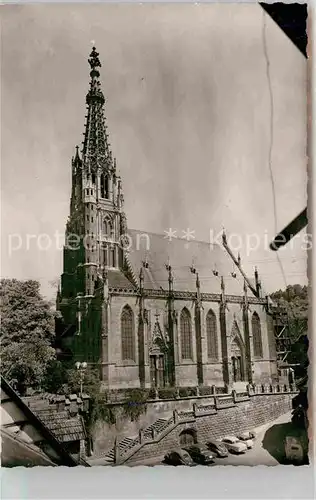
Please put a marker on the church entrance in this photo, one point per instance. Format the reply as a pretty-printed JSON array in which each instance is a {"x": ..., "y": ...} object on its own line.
[
  {"x": 157, "y": 370},
  {"x": 238, "y": 368}
]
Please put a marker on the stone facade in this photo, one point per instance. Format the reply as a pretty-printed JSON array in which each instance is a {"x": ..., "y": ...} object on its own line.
[{"x": 148, "y": 310}]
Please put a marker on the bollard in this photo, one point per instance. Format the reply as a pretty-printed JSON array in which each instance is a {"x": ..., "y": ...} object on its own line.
[
  {"x": 141, "y": 436},
  {"x": 175, "y": 416},
  {"x": 234, "y": 394},
  {"x": 116, "y": 451}
]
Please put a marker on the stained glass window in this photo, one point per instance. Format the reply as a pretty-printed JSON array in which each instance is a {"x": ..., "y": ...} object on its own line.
[
  {"x": 211, "y": 335},
  {"x": 256, "y": 335},
  {"x": 127, "y": 334},
  {"x": 186, "y": 334}
]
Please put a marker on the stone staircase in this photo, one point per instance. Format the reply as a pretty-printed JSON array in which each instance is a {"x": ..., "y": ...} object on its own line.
[
  {"x": 157, "y": 427},
  {"x": 127, "y": 447},
  {"x": 124, "y": 445}
]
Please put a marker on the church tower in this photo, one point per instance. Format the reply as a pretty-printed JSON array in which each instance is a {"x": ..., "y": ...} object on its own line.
[{"x": 97, "y": 223}]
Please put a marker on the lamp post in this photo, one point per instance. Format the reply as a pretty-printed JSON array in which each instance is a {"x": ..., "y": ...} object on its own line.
[{"x": 81, "y": 366}]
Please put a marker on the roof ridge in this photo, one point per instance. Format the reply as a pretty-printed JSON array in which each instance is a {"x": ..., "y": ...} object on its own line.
[{"x": 175, "y": 238}]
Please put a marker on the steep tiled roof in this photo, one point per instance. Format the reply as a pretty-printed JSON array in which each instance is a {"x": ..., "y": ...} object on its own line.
[
  {"x": 118, "y": 280},
  {"x": 65, "y": 426},
  {"x": 12, "y": 404},
  {"x": 157, "y": 250}
]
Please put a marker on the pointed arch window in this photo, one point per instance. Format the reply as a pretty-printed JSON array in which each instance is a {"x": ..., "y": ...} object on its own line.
[
  {"x": 105, "y": 255},
  {"x": 104, "y": 186},
  {"x": 107, "y": 227},
  {"x": 127, "y": 334},
  {"x": 186, "y": 334},
  {"x": 211, "y": 335},
  {"x": 256, "y": 335},
  {"x": 112, "y": 257}
]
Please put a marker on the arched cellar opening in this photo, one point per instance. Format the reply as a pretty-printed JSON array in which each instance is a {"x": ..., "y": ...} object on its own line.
[{"x": 187, "y": 438}]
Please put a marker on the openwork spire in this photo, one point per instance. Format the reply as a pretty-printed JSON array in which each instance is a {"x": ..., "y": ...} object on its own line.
[{"x": 96, "y": 152}]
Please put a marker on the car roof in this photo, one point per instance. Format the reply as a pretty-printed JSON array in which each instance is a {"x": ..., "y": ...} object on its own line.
[
  {"x": 230, "y": 437},
  {"x": 215, "y": 441},
  {"x": 181, "y": 451}
]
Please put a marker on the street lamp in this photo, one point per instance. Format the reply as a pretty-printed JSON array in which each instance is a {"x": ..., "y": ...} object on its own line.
[{"x": 81, "y": 366}]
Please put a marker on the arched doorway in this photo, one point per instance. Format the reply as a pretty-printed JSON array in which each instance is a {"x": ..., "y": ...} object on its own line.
[
  {"x": 237, "y": 360},
  {"x": 187, "y": 438},
  {"x": 157, "y": 371},
  {"x": 157, "y": 358}
]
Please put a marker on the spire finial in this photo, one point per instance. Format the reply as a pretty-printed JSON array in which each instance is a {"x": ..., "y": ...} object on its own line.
[
  {"x": 222, "y": 284},
  {"x": 224, "y": 238},
  {"x": 141, "y": 278},
  {"x": 94, "y": 60},
  {"x": 197, "y": 281},
  {"x": 95, "y": 93}
]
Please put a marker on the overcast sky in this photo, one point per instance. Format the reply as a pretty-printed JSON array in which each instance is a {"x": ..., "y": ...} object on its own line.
[{"x": 189, "y": 116}]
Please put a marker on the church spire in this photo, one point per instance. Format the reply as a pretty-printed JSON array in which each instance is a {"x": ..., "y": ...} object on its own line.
[{"x": 96, "y": 153}]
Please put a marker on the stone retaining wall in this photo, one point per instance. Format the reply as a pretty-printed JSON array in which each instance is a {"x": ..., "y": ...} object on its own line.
[
  {"x": 258, "y": 410},
  {"x": 232, "y": 413}
]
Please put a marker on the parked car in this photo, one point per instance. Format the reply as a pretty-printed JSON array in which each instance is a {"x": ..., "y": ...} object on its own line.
[
  {"x": 246, "y": 438},
  {"x": 218, "y": 448},
  {"x": 233, "y": 444},
  {"x": 247, "y": 435},
  {"x": 179, "y": 457},
  {"x": 200, "y": 454}
]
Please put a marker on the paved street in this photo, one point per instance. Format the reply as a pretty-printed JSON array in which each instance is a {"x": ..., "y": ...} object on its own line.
[
  {"x": 267, "y": 450},
  {"x": 261, "y": 452}
]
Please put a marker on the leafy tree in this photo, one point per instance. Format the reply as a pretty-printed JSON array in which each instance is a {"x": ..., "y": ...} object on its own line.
[
  {"x": 90, "y": 381},
  {"x": 27, "y": 333},
  {"x": 55, "y": 377}
]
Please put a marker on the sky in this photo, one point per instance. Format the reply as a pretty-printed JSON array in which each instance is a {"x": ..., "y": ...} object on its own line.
[{"x": 206, "y": 109}]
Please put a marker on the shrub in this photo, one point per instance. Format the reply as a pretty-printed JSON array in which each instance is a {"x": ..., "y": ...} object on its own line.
[
  {"x": 221, "y": 390},
  {"x": 100, "y": 410},
  {"x": 186, "y": 392},
  {"x": 167, "y": 393},
  {"x": 205, "y": 390},
  {"x": 152, "y": 394},
  {"x": 135, "y": 404}
]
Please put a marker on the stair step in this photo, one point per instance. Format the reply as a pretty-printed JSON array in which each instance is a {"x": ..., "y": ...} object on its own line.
[
  {"x": 126, "y": 440},
  {"x": 127, "y": 443}
]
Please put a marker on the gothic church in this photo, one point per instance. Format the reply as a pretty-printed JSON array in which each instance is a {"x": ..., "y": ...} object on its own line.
[{"x": 144, "y": 309}]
